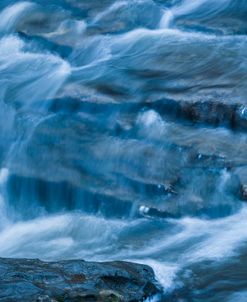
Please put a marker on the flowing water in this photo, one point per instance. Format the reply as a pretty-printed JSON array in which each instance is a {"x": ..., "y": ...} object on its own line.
[{"x": 93, "y": 166}]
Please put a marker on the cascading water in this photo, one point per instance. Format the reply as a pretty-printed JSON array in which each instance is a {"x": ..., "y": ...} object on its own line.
[{"x": 123, "y": 137}]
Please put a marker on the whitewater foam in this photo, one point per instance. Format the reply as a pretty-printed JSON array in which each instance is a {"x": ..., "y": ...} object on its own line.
[{"x": 13, "y": 14}]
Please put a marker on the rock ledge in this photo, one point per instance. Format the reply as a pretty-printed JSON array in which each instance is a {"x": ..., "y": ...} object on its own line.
[{"x": 75, "y": 280}]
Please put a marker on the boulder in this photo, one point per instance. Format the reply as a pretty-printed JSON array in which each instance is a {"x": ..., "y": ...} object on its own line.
[{"x": 75, "y": 280}]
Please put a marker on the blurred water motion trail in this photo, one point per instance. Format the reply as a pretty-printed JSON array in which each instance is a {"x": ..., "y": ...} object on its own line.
[{"x": 124, "y": 137}]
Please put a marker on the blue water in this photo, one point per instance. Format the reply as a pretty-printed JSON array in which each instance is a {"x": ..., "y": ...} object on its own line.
[{"x": 95, "y": 162}]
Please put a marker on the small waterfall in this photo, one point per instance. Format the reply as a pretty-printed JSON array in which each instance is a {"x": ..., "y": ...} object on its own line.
[{"x": 167, "y": 19}]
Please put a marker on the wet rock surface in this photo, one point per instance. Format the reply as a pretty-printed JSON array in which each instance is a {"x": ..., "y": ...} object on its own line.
[{"x": 75, "y": 280}]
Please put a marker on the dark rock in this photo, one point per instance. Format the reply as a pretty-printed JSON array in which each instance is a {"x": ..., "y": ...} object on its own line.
[
  {"x": 244, "y": 192},
  {"x": 213, "y": 113},
  {"x": 241, "y": 175},
  {"x": 75, "y": 280}
]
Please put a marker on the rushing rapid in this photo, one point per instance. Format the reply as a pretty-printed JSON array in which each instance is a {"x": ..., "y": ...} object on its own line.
[{"x": 123, "y": 136}]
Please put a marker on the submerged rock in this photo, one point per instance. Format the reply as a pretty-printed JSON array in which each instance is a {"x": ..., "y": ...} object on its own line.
[
  {"x": 215, "y": 113},
  {"x": 75, "y": 280}
]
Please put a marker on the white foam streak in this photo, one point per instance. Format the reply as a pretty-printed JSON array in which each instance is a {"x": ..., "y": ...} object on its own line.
[
  {"x": 64, "y": 236},
  {"x": 4, "y": 174},
  {"x": 205, "y": 239},
  {"x": 115, "y": 6},
  {"x": 164, "y": 272},
  {"x": 188, "y": 7},
  {"x": 29, "y": 76},
  {"x": 166, "y": 19},
  {"x": 11, "y": 15},
  {"x": 224, "y": 237},
  {"x": 42, "y": 234}
]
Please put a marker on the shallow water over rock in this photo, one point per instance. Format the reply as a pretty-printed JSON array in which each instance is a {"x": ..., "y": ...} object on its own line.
[{"x": 124, "y": 138}]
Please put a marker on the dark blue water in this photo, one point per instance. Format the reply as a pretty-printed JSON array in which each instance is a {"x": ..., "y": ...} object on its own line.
[{"x": 123, "y": 136}]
